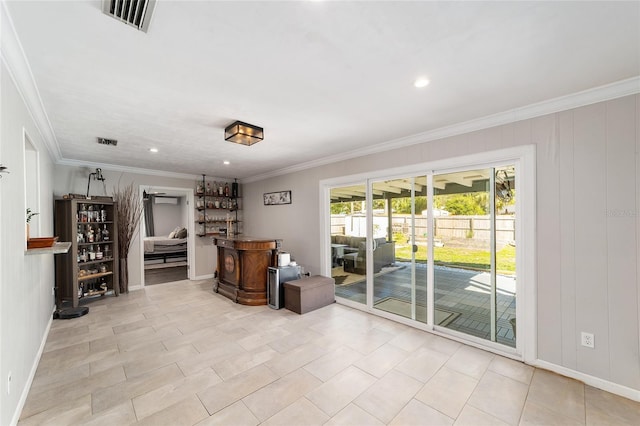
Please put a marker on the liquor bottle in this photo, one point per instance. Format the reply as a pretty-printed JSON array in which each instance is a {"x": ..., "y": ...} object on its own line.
[
  {"x": 83, "y": 255},
  {"x": 78, "y": 261},
  {"x": 80, "y": 290},
  {"x": 83, "y": 213},
  {"x": 107, "y": 251},
  {"x": 103, "y": 284},
  {"x": 98, "y": 253},
  {"x": 105, "y": 233},
  {"x": 92, "y": 253},
  {"x": 90, "y": 217},
  {"x": 234, "y": 189},
  {"x": 103, "y": 214},
  {"x": 226, "y": 190},
  {"x": 90, "y": 235},
  {"x": 209, "y": 189}
]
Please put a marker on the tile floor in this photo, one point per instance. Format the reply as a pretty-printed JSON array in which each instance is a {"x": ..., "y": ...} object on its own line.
[{"x": 178, "y": 354}]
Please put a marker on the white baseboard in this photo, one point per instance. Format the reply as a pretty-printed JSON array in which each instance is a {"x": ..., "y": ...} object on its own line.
[
  {"x": 136, "y": 287},
  {"x": 203, "y": 277},
  {"x": 596, "y": 382},
  {"x": 32, "y": 373}
]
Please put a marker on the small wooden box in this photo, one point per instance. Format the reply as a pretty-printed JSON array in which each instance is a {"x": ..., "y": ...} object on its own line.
[{"x": 308, "y": 294}]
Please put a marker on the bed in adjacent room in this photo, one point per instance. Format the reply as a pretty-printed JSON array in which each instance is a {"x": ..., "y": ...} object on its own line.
[{"x": 166, "y": 249}]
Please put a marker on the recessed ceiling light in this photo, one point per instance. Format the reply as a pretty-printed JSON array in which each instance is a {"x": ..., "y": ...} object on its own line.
[
  {"x": 421, "y": 82},
  {"x": 153, "y": 149},
  {"x": 226, "y": 162}
]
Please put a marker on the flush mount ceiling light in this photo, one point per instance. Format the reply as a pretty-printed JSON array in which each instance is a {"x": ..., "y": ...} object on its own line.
[
  {"x": 154, "y": 150},
  {"x": 243, "y": 133}
]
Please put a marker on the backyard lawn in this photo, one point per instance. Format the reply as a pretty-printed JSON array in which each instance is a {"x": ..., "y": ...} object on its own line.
[{"x": 463, "y": 258}]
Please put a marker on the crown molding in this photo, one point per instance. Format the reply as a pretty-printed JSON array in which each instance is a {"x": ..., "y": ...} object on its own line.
[
  {"x": 15, "y": 60},
  {"x": 126, "y": 169},
  {"x": 607, "y": 92}
]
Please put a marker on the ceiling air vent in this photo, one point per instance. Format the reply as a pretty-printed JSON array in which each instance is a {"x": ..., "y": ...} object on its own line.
[
  {"x": 136, "y": 13},
  {"x": 104, "y": 141}
]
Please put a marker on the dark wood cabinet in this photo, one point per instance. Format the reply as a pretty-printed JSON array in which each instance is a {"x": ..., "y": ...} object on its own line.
[
  {"x": 242, "y": 267},
  {"x": 90, "y": 267}
]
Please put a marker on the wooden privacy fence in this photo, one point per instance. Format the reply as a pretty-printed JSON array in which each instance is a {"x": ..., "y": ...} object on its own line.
[{"x": 445, "y": 227}]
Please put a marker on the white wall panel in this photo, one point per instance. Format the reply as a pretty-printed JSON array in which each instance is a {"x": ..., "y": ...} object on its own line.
[
  {"x": 591, "y": 237},
  {"x": 637, "y": 213},
  {"x": 567, "y": 239},
  {"x": 621, "y": 194},
  {"x": 544, "y": 135},
  {"x": 26, "y": 300}
]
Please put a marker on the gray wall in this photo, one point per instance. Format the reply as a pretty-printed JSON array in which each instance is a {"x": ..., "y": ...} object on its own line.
[
  {"x": 26, "y": 281},
  {"x": 166, "y": 217},
  {"x": 588, "y": 225}
]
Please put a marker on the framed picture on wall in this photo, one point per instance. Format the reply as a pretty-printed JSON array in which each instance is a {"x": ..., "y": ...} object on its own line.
[{"x": 277, "y": 198}]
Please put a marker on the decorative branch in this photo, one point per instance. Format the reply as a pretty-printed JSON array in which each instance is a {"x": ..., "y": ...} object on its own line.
[
  {"x": 30, "y": 214},
  {"x": 129, "y": 209}
]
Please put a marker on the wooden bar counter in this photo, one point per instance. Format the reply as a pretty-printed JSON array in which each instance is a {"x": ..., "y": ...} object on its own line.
[{"x": 242, "y": 267}]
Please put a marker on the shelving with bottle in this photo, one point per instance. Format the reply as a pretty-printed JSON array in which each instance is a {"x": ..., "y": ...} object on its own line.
[
  {"x": 217, "y": 207},
  {"x": 90, "y": 268}
]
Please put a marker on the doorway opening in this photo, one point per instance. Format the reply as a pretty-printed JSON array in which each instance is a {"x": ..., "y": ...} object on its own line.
[{"x": 166, "y": 231}]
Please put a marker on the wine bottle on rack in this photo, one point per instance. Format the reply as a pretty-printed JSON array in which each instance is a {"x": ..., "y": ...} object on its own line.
[
  {"x": 83, "y": 213},
  {"x": 234, "y": 189},
  {"x": 105, "y": 233}
]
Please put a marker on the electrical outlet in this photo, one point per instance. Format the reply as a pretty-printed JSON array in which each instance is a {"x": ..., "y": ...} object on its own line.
[
  {"x": 9, "y": 384},
  {"x": 588, "y": 340}
]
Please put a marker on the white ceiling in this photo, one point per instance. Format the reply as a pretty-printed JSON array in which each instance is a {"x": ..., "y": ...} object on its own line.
[{"x": 322, "y": 78}]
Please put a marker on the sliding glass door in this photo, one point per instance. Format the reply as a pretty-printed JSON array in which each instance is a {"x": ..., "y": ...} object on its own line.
[
  {"x": 399, "y": 246},
  {"x": 474, "y": 253},
  {"x": 436, "y": 248},
  {"x": 348, "y": 222}
]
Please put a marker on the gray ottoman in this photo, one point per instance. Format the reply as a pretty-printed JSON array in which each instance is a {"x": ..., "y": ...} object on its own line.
[{"x": 308, "y": 294}]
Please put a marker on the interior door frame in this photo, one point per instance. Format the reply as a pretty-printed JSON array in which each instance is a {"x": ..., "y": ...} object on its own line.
[{"x": 523, "y": 157}]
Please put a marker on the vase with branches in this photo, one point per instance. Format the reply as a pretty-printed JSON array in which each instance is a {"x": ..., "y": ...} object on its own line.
[
  {"x": 128, "y": 207},
  {"x": 30, "y": 215}
]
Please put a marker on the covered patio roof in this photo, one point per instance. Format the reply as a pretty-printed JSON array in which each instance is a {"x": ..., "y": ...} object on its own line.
[{"x": 449, "y": 183}]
